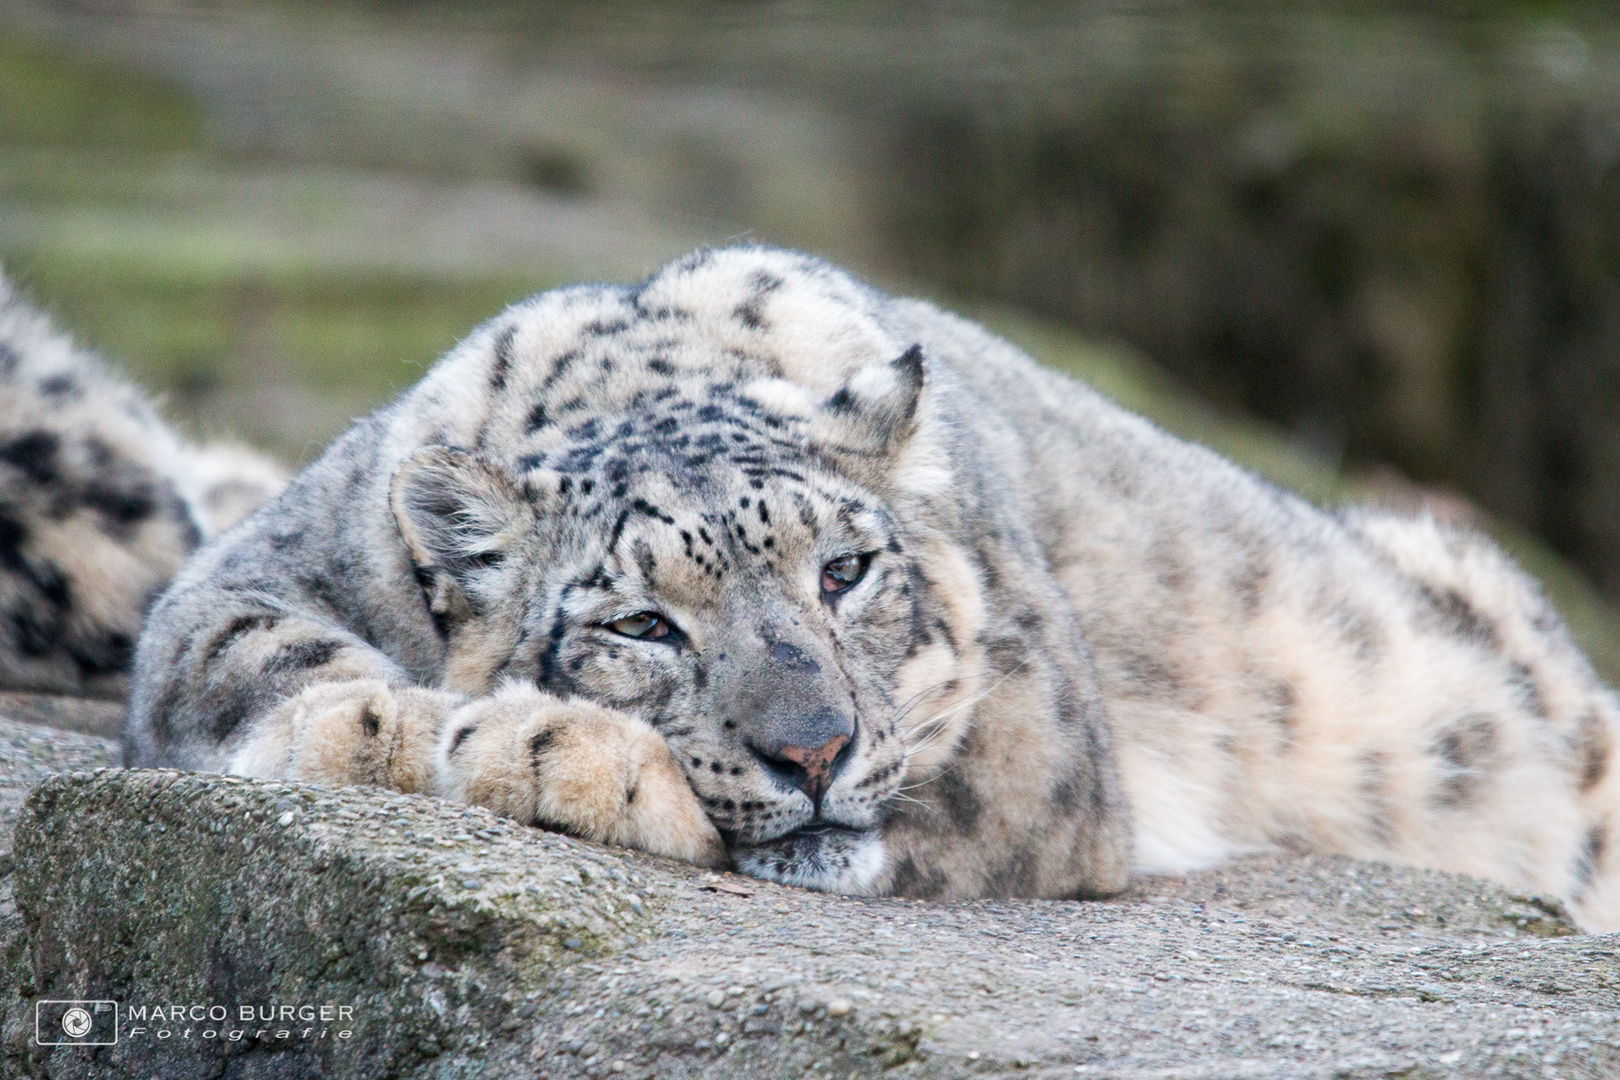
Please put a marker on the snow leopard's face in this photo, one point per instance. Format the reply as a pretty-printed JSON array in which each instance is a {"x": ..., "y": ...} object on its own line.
[{"x": 705, "y": 562}]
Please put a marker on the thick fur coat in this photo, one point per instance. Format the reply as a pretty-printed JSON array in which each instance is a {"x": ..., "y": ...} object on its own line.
[{"x": 751, "y": 564}]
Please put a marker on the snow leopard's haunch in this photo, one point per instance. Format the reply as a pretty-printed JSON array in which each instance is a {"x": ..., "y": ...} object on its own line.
[
  {"x": 751, "y": 563},
  {"x": 100, "y": 504}
]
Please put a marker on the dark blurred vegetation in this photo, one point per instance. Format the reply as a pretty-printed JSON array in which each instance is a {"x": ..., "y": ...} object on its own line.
[
  {"x": 1397, "y": 236},
  {"x": 1358, "y": 246}
]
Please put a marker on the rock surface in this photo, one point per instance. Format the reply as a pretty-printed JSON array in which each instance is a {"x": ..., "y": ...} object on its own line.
[{"x": 466, "y": 945}]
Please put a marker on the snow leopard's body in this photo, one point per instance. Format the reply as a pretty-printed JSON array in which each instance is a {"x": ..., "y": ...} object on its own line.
[{"x": 914, "y": 616}]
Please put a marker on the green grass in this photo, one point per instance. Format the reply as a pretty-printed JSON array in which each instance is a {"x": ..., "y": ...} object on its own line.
[{"x": 48, "y": 97}]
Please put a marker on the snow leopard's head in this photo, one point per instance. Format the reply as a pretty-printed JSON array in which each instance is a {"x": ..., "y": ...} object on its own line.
[{"x": 672, "y": 528}]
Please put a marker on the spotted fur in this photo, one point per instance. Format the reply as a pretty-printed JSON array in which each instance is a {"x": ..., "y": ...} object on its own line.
[
  {"x": 922, "y": 618},
  {"x": 100, "y": 504}
]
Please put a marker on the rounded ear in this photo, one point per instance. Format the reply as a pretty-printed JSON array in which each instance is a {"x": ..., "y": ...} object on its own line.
[
  {"x": 458, "y": 512},
  {"x": 875, "y": 412}
]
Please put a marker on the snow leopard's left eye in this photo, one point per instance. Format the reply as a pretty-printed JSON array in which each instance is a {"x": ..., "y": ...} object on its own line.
[
  {"x": 644, "y": 625},
  {"x": 843, "y": 572}
]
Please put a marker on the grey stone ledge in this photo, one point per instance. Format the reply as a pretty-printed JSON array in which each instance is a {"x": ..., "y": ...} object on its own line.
[{"x": 467, "y": 945}]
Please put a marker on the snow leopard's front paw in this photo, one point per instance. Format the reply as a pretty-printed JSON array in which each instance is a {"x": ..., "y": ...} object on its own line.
[
  {"x": 577, "y": 768},
  {"x": 358, "y": 731}
]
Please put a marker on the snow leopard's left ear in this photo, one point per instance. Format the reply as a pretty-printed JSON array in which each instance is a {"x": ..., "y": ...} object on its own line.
[
  {"x": 874, "y": 414},
  {"x": 460, "y": 516}
]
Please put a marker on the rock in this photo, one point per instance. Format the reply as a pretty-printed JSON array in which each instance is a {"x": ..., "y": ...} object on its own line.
[{"x": 461, "y": 944}]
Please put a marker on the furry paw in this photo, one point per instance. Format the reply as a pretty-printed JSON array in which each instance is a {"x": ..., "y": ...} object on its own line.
[
  {"x": 575, "y": 767},
  {"x": 362, "y": 731}
]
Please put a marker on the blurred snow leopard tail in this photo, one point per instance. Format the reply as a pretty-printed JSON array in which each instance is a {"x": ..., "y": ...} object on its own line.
[
  {"x": 1574, "y": 717},
  {"x": 101, "y": 502}
]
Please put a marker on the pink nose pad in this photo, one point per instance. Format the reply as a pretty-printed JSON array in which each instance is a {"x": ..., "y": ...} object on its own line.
[{"x": 817, "y": 764}]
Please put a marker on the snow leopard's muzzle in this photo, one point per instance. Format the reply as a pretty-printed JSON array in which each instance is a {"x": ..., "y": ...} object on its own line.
[{"x": 810, "y": 805}]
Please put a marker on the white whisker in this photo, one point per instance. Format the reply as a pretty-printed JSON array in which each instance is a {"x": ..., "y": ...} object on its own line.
[
  {"x": 915, "y": 700},
  {"x": 923, "y": 783},
  {"x": 940, "y": 717}
]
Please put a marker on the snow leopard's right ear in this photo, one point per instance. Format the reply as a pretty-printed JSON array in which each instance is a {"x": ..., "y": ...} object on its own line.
[
  {"x": 460, "y": 516},
  {"x": 874, "y": 414}
]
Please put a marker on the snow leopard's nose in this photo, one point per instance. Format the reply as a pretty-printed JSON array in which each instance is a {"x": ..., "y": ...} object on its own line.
[{"x": 811, "y": 769}]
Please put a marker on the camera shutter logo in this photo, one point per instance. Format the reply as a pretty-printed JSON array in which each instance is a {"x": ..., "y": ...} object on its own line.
[{"x": 76, "y": 1023}]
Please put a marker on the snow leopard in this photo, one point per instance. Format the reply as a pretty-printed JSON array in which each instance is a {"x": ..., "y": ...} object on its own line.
[
  {"x": 101, "y": 502},
  {"x": 753, "y": 565}
]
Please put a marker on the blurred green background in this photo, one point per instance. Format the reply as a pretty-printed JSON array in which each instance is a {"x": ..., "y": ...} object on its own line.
[{"x": 1372, "y": 250}]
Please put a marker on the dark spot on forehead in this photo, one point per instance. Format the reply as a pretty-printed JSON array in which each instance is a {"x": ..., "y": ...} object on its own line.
[
  {"x": 559, "y": 365},
  {"x": 618, "y": 528},
  {"x": 642, "y": 506},
  {"x": 645, "y": 562}
]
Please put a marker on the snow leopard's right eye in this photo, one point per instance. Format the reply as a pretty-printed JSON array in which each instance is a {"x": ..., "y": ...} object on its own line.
[
  {"x": 843, "y": 572},
  {"x": 645, "y": 625}
]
